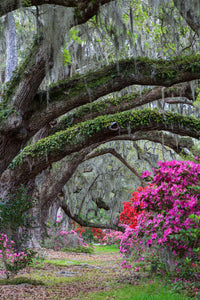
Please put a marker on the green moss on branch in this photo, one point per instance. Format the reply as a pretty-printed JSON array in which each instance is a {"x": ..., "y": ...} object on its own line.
[{"x": 84, "y": 134}]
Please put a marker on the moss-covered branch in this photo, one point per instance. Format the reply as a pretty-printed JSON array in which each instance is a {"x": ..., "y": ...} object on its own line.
[
  {"x": 24, "y": 83},
  {"x": 89, "y": 87},
  {"x": 113, "y": 105},
  {"x": 89, "y": 111},
  {"x": 180, "y": 145},
  {"x": 33, "y": 159}
]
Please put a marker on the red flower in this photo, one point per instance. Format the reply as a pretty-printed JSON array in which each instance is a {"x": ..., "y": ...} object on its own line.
[
  {"x": 194, "y": 265},
  {"x": 129, "y": 214}
]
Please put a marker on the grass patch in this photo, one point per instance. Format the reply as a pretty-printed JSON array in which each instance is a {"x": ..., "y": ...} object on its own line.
[
  {"x": 39, "y": 264},
  {"x": 148, "y": 291},
  {"x": 21, "y": 280},
  {"x": 64, "y": 262},
  {"x": 106, "y": 249},
  {"x": 54, "y": 280},
  {"x": 79, "y": 249}
]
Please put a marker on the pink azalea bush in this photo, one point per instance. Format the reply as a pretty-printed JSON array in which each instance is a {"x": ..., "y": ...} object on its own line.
[
  {"x": 172, "y": 203},
  {"x": 169, "y": 219},
  {"x": 61, "y": 239},
  {"x": 65, "y": 240},
  {"x": 12, "y": 261}
]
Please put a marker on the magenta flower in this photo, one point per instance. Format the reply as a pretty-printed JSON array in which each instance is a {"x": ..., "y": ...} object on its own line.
[
  {"x": 146, "y": 174},
  {"x": 149, "y": 242},
  {"x": 154, "y": 236}
]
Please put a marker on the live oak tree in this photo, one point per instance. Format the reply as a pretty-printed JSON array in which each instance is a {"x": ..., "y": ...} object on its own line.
[{"x": 33, "y": 137}]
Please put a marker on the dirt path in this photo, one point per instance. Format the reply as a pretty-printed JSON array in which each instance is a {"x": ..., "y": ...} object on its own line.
[{"x": 69, "y": 275}]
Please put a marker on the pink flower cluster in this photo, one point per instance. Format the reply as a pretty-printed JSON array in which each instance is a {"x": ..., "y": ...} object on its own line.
[
  {"x": 170, "y": 202},
  {"x": 11, "y": 259},
  {"x": 125, "y": 265}
]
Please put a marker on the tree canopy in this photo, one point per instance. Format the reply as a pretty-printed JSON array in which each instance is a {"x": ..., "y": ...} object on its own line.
[{"x": 91, "y": 72}]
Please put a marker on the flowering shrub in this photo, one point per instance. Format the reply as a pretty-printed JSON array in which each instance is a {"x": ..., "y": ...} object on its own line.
[
  {"x": 125, "y": 265},
  {"x": 131, "y": 243},
  {"x": 112, "y": 237},
  {"x": 62, "y": 239},
  {"x": 173, "y": 203},
  {"x": 166, "y": 228},
  {"x": 89, "y": 234},
  {"x": 13, "y": 261}
]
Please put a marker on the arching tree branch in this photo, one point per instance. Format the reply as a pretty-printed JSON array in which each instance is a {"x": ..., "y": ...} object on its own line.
[
  {"x": 118, "y": 156},
  {"x": 176, "y": 143},
  {"x": 56, "y": 180},
  {"x": 84, "y": 8},
  {"x": 123, "y": 103},
  {"x": 87, "y": 88},
  {"x": 86, "y": 223},
  {"x": 33, "y": 159}
]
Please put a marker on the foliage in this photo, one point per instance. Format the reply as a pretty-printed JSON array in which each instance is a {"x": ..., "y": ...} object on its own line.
[
  {"x": 15, "y": 215},
  {"x": 13, "y": 261},
  {"x": 66, "y": 57},
  {"x": 76, "y": 39}
]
